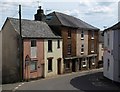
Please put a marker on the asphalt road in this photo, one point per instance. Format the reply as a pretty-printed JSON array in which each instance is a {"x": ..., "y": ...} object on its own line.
[{"x": 81, "y": 81}]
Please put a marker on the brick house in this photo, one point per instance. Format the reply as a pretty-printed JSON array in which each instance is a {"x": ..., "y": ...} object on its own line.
[
  {"x": 40, "y": 50},
  {"x": 80, "y": 41}
]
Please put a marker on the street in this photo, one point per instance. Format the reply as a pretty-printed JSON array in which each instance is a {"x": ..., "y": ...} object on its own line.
[{"x": 82, "y": 81}]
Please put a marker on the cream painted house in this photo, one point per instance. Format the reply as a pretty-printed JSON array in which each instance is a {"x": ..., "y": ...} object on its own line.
[{"x": 53, "y": 57}]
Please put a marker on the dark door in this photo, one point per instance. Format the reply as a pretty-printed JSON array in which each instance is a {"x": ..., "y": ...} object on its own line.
[
  {"x": 59, "y": 66},
  {"x": 73, "y": 65}
]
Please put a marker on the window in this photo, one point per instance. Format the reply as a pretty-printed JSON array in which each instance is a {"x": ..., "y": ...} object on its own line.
[
  {"x": 33, "y": 66},
  {"x": 67, "y": 64},
  {"x": 58, "y": 44},
  {"x": 33, "y": 49},
  {"x": 49, "y": 45},
  {"x": 49, "y": 65},
  {"x": 108, "y": 65},
  {"x": 33, "y": 43},
  {"x": 82, "y": 35},
  {"x": 92, "y": 35},
  {"x": 92, "y": 46},
  {"x": 82, "y": 48},
  {"x": 84, "y": 63},
  {"x": 93, "y": 60},
  {"x": 69, "y": 33},
  {"x": 69, "y": 49},
  {"x": 108, "y": 39}
]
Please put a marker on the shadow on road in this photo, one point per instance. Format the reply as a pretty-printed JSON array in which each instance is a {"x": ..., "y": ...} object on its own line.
[{"x": 92, "y": 82}]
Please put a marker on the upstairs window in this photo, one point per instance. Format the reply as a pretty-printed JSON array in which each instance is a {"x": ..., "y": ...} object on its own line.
[
  {"x": 92, "y": 46},
  {"x": 82, "y": 35},
  {"x": 58, "y": 44},
  {"x": 82, "y": 48},
  {"x": 92, "y": 35},
  {"x": 69, "y": 49},
  {"x": 33, "y": 43},
  {"x": 108, "y": 39},
  {"x": 49, "y": 45},
  {"x": 69, "y": 33}
]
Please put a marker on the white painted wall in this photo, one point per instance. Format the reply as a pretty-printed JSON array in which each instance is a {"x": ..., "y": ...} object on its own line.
[
  {"x": 107, "y": 55},
  {"x": 56, "y": 53},
  {"x": 114, "y": 70},
  {"x": 116, "y": 55}
]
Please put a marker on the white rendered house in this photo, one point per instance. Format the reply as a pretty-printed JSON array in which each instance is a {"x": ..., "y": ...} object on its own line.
[{"x": 111, "y": 55}]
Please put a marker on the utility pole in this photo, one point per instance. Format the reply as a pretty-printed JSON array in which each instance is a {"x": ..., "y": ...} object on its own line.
[{"x": 20, "y": 47}]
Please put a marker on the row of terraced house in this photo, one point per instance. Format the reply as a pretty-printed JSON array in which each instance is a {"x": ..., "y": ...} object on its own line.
[{"x": 51, "y": 44}]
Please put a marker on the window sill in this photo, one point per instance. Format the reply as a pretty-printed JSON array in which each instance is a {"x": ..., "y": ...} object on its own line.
[
  {"x": 92, "y": 51},
  {"x": 82, "y": 38},
  {"x": 69, "y": 37},
  {"x": 92, "y": 38},
  {"x": 49, "y": 71},
  {"x": 82, "y": 52},
  {"x": 50, "y": 51},
  {"x": 32, "y": 71},
  {"x": 84, "y": 66}
]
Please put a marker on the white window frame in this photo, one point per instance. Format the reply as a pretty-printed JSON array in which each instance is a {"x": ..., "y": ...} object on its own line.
[{"x": 84, "y": 65}]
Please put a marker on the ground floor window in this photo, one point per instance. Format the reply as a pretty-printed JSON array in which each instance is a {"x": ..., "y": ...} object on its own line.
[
  {"x": 33, "y": 65},
  {"x": 50, "y": 65},
  {"x": 84, "y": 63},
  {"x": 67, "y": 64},
  {"x": 93, "y": 60}
]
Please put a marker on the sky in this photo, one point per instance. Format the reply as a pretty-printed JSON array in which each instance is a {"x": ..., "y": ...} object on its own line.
[{"x": 99, "y": 13}]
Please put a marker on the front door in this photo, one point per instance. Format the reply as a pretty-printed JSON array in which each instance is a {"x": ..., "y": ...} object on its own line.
[{"x": 59, "y": 66}]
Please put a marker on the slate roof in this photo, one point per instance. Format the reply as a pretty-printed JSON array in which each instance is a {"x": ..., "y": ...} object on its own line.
[
  {"x": 70, "y": 21},
  {"x": 114, "y": 27},
  {"x": 33, "y": 29}
]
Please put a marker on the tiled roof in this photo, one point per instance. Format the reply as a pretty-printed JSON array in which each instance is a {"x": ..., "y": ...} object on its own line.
[
  {"x": 33, "y": 29},
  {"x": 70, "y": 21}
]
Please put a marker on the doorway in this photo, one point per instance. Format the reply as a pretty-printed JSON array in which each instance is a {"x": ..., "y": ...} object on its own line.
[
  {"x": 73, "y": 65},
  {"x": 59, "y": 66}
]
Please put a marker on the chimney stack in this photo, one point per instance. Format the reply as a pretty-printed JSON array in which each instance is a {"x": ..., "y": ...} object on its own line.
[{"x": 40, "y": 14}]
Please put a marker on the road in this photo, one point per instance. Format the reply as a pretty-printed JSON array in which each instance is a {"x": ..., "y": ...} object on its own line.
[{"x": 81, "y": 81}]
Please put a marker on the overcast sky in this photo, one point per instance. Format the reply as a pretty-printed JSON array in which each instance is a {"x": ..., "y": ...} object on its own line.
[{"x": 98, "y": 13}]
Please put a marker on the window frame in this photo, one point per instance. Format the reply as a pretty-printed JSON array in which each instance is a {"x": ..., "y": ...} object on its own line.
[
  {"x": 49, "y": 45},
  {"x": 82, "y": 35},
  {"x": 35, "y": 63},
  {"x": 69, "y": 33},
  {"x": 58, "y": 43},
  {"x": 33, "y": 43},
  {"x": 50, "y": 68},
  {"x": 69, "y": 48}
]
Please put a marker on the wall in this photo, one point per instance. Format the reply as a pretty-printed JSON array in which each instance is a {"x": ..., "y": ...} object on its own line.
[
  {"x": 10, "y": 60},
  {"x": 116, "y": 61},
  {"x": 39, "y": 58},
  {"x": 0, "y": 57},
  {"x": 64, "y": 33},
  {"x": 56, "y": 54},
  {"x": 108, "y": 72},
  {"x": 79, "y": 42}
]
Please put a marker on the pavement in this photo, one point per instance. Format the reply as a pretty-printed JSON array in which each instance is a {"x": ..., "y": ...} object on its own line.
[{"x": 80, "y": 81}]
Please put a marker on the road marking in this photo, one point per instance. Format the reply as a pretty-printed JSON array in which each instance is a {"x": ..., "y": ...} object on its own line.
[{"x": 19, "y": 85}]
